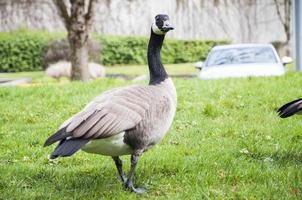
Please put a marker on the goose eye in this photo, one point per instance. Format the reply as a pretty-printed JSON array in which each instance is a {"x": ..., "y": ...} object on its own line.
[{"x": 159, "y": 23}]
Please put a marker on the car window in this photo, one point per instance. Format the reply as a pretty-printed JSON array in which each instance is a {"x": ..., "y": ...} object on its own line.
[{"x": 241, "y": 56}]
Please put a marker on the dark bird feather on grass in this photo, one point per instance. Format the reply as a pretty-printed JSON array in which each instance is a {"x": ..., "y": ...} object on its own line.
[{"x": 290, "y": 108}]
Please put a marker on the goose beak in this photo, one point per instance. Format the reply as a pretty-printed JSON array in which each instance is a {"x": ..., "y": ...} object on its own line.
[
  {"x": 167, "y": 28},
  {"x": 170, "y": 28}
]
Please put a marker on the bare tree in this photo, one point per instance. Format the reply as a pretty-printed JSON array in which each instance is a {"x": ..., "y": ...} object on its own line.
[
  {"x": 78, "y": 23},
  {"x": 283, "y": 8}
]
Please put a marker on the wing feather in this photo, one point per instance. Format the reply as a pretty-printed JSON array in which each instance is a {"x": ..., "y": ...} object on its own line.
[
  {"x": 89, "y": 123},
  {"x": 102, "y": 131},
  {"x": 79, "y": 119},
  {"x": 109, "y": 114}
]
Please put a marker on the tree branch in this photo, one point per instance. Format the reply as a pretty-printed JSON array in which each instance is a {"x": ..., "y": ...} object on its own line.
[
  {"x": 278, "y": 11},
  {"x": 61, "y": 7},
  {"x": 90, "y": 13},
  {"x": 287, "y": 16},
  {"x": 287, "y": 11}
]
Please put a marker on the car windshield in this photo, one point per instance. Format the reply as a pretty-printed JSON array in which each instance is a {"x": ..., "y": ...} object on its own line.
[{"x": 241, "y": 56}]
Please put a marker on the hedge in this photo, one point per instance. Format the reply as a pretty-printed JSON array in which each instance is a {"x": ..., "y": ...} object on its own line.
[
  {"x": 133, "y": 50},
  {"x": 23, "y": 50}
]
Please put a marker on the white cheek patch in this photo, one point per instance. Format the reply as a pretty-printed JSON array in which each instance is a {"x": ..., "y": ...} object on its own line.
[
  {"x": 166, "y": 22},
  {"x": 156, "y": 30}
]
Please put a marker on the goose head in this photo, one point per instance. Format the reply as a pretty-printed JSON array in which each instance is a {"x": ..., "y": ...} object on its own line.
[{"x": 161, "y": 24}]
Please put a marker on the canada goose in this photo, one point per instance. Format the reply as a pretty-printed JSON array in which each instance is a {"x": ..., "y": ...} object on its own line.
[
  {"x": 63, "y": 68},
  {"x": 291, "y": 108},
  {"x": 124, "y": 121}
]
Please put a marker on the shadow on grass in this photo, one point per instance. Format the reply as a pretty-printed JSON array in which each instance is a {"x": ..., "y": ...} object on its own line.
[
  {"x": 60, "y": 178},
  {"x": 57, "y": 179},
  {"x": 283, "y": 158}
]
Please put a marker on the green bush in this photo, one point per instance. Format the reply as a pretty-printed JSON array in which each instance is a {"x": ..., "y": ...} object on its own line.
[
  {"x": 133, "y": 50},
  {"x": 123, "y": 50},
  {"x": 23, "y": 50}
]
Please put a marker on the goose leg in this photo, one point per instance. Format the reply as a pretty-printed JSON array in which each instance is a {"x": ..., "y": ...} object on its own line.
[
  {"x": 129, "y": 183},
  {"x": 119, "y": 167}
]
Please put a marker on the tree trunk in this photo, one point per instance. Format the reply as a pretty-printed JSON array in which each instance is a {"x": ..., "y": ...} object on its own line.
[
  {"x": 78, "y": 25},
  {"x": 287, "y": 33},
  {"x": 78, "y": 36},
  {"x": 79, "y": 55}
]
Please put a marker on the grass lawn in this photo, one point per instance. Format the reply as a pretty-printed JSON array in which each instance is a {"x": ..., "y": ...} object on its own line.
[
  {"x": 226, "y": 142},
  {"x": 131, "y": 70}
]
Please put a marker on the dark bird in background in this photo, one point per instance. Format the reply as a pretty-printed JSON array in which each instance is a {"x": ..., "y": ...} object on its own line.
[
  {"x": 291, "y": 108},
  {"x": 127, "y": 120}
]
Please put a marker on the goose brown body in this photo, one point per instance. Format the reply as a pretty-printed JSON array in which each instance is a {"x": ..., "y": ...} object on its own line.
[{"x": 142, "y": 113}]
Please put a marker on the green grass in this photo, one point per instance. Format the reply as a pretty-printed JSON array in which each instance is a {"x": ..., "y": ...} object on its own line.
[
  {"x": 226, "y": 142},
  {"x": 131, "y": 70},
  {"x": 173, "y": 69}
]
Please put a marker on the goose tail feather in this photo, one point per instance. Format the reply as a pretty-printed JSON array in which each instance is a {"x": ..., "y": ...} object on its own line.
[
  {"x": 59, "y": 135},
  {"x": 68, "y": 147}
]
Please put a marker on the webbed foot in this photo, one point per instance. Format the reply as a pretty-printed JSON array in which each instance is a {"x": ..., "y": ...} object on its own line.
[{"x": 138, "y": 190}]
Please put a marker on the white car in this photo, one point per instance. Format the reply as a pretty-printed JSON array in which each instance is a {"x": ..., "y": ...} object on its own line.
[{"x": 242, "y": 60}]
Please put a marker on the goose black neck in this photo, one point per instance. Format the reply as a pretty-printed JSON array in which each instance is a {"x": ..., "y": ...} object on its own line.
[{"x": 156, "y": 68}]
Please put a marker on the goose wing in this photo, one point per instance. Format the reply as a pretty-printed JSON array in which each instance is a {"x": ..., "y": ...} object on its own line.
[
  {"x": 291, "y": 108},
  {"x": 107, "y": 115}
]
